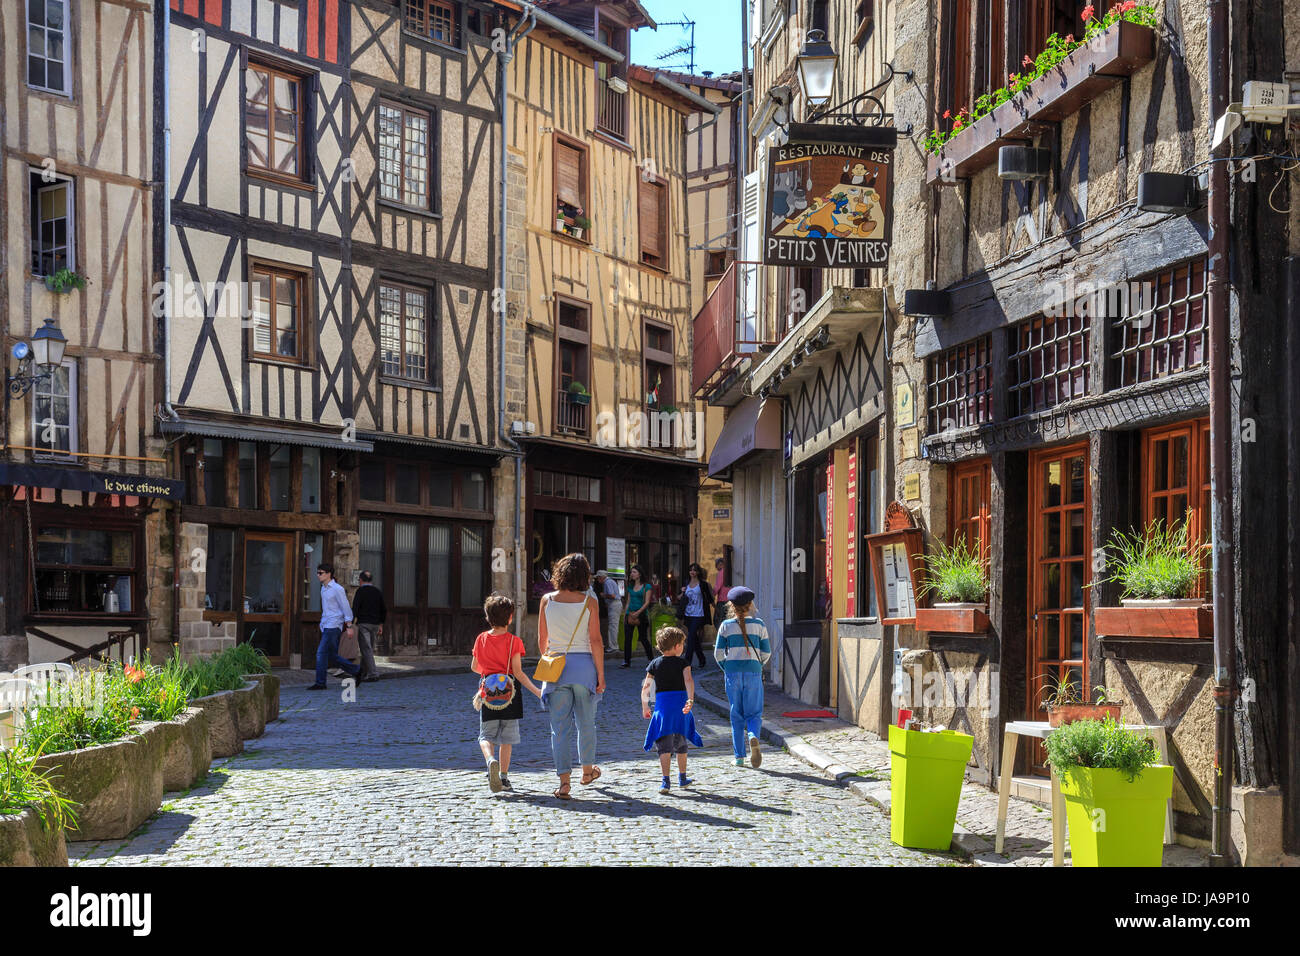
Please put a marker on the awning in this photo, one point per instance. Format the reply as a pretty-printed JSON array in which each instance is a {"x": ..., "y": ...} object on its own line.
[
  {"x": 276, "y": 434},
  {"x": 755, "y": 425},
  {"x": 100, "y": 482},
  {"x": 461, "y": 449}
]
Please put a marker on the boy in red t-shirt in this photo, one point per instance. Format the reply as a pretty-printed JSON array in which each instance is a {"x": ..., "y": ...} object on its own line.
[{"x": 497, "y": 651}]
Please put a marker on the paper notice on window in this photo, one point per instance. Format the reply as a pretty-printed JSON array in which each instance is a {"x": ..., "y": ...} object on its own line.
[{"x": 898, "y": 582}]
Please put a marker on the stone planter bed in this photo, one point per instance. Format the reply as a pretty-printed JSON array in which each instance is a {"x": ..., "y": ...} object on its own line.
[
  {"x": 117, "y": 785},
  {"x": 25, "y": 842},
  {"x": 271, "y": 691},
  {"x": 187, "y": 749}
]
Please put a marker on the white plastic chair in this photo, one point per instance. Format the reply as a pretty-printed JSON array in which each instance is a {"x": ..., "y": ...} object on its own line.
[
  {"x": 47, "y": 678},
  {"x": 15, "y": 693}
]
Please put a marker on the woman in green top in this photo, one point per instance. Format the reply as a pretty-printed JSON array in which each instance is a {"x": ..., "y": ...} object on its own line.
[{"x": 638, "y": 614}]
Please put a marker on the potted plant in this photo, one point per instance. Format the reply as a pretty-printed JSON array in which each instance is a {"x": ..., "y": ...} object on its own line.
[
  {"x": 1158, "y": 571},
  {"x": 580, "y": 225},
  {"x": 65, "y": 280},
  {"x": 957, "y": 579},
  {"x": 1064, "y": 705},
  {"x": 578, "y": 394},
  {"x": 926, "y": 770},
  {"x": 1115, "y": 793}
]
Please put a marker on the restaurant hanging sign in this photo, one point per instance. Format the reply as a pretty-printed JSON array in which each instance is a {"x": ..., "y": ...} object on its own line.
[{"x": 829, "y": 199}]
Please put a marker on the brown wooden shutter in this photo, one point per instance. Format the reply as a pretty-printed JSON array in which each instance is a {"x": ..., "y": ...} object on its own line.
[
  {"x": 568, "y": 174},
  {"x": 650, "y": 219}
]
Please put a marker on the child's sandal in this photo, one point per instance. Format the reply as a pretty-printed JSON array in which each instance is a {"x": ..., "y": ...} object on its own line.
[{"x": 592, "y": 777}]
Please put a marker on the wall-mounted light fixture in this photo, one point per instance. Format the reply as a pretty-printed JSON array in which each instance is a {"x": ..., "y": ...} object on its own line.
[{"x": 37, "y": 360}]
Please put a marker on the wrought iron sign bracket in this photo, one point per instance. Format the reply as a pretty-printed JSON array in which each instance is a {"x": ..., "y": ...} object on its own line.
[{"x": 865, "y": 109}]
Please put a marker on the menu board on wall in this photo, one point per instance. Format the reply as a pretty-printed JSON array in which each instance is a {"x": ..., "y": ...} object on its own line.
[
  {"x": 899, "y": 598},
  {"x": 851, "y": 523},
  {"x": 896, "y": 562}
]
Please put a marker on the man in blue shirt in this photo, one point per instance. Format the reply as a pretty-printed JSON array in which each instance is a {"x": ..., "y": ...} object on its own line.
[{"x": 335, "y": 614}]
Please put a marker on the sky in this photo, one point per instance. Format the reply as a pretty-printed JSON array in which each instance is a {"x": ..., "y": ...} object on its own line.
[{"x": 717, "y": 34}]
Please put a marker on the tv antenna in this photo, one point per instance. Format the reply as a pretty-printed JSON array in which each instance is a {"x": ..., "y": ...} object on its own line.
[{"x": 682, "y": 50}]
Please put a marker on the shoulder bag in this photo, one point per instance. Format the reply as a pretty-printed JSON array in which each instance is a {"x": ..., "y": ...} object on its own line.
[{"x": 551, "y": 666}]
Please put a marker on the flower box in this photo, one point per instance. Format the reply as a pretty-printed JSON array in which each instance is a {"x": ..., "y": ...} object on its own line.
[
  {"x": 1078, "y": 79},
  {"x": 1181, "y": 619},
  {"x": 957, "y": 618}
]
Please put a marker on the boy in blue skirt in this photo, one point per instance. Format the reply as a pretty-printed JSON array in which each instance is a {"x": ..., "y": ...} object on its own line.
[{"x": 667, "y": 696}]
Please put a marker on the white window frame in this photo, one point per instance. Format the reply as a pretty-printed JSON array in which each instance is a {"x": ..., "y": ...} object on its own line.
[
  {"x": 35, "y": 199},
  {"x": 74, "y": 443},
  {"x": 67, "y": 50}
]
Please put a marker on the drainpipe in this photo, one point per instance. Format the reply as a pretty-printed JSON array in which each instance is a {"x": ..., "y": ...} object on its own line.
[
  {"x": 1225, "y": 669},
  {"x": 528, "y": 16},
  {"x": 167, "y": 213}
]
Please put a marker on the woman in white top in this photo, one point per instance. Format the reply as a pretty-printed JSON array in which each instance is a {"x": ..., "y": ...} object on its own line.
[{"x": 568, "y": 623}]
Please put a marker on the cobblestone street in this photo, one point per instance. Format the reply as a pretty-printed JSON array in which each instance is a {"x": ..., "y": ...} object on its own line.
[{"x": 396, "y": 778}]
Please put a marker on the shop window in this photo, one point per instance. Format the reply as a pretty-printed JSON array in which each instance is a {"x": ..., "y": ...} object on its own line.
[
  {"x": 405, "y": 151},
  {"x": 404, "y": 332},
  {"x": 1160, "y": 327},
  {"x": 220, "y": 570},
  {"x": 471, "y": 566},
  {"x": 248, "y": 475},
  {"x": 54, "y": 412},
  {"x": 960, "y": 386},
  {"x": 556, "y": 485},
  {"x": 279, "y": 307},
  {"x": 406, "y": 484},
  {"x": 571, "y": 183},
  {"x": 48, "y": 59},
  {"x": 53, "y": 224},
  {"x": 311, "y": 480},
  {"x": 273, "y": 123},
  {"x": 652, "y": 213},
  {"x": 371, "y": 532},
  {"x": 84, "y": 571},
  {"x": 405, "y": 559},
  {"x": 969, "y": 515},
  {"x": 442, "y": 489},
  {"x": 811, "y": 590},
  {"x": 281, "y": 472},
  {"x": 374, "y": 481},
  {"x": 437, "y": 20},
  {"x": 473, "y": 491},
  {"x": 214, "y": 472},
  {"x": 1047, "y": 364},
  {"x": 439, "y": 565}
]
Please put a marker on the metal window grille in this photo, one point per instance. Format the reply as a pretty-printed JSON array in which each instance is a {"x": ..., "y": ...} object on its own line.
[
  {"x": 1162, "y": 329},
  {"x": 960, "y": 386},
  {"x": 1048, "y": 363}
]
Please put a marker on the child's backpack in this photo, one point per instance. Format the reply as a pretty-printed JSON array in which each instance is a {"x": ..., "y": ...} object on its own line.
[{"x": 496, "y": 691}]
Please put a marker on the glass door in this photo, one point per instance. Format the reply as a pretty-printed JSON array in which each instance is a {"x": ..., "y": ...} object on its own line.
[
  {"x": 1060, "y": 569},
  {"x": 267, "y": 577}
]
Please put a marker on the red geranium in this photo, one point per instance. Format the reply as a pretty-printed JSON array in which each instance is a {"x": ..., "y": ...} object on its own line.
[
  {"x": 947, "y": 114},
  {"x": 1088, "y": 13}
]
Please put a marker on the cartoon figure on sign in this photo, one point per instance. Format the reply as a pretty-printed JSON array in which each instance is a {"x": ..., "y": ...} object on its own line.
[{"x": 841, "y": 201}]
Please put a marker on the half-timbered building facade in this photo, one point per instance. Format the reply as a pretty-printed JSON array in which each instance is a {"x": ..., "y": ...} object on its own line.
[
  {"x": 83, "y": 484},
  {"x": 599, "y": 287}
]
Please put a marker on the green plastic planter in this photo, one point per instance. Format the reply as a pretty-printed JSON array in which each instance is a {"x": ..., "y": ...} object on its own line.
[
  {"x": 1115, "y": 822},
  {"x": 926, "y": 773}
]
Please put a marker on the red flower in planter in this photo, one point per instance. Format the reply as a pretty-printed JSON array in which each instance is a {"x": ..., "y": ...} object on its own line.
[
  {"x": 1069, "y": 37},
  {"x": 1088, "y": 12},
  {"x": 947, "y": 114},
  {"x": 135, "y": 712},
  {"x": 133, "y": 674},
  {"x": 1027, "y": 61}
]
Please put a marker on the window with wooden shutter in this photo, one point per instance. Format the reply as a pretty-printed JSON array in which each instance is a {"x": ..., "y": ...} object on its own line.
[
  {"x": 570, "y": 187},
  {"x": 652, "y": 216}
]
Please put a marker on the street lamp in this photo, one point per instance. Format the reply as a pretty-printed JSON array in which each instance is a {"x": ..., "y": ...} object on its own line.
[
  {"x": 817, "y": 62},
  {"x": 37, "y": 360}
]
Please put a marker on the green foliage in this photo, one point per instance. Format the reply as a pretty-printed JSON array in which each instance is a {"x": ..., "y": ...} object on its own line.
[
  {"x": 212, "y": 675},
  {"x": 1055, "y": 51},
  {"x": 582, "y": 222},
  {"x": 249, "y": 658},
  {"x": 1062, "y": 691},
  {"x": 150, "y": 693},
  {"x": 70, "y": 719},
  {"x": 1099, "y": 745},
  {"x": 1161, "y": 563},
  {"x": 22, "y": 786},
  {"x": 955, "y": 573},
  {"x": 577, "y": 388},
  {"x": 65, "y": 279}
]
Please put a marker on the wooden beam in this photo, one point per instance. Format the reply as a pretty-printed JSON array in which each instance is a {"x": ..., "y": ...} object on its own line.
[{"x": 267, "y": 520}]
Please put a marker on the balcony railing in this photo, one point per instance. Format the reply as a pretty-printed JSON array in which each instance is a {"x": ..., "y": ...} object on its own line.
[
  {"x": 611, "y": 110},
  {"x": 721, "y": 339},
  {"x": 570, "y": 415}
]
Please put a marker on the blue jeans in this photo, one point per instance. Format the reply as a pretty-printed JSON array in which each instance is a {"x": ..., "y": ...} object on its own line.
[
  {"x": 327, "y": 654},
  {"x": 745, "y": 691},
  {"x": 564, "y": 703}
]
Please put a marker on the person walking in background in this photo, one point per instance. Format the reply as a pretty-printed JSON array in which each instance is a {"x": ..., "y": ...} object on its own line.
[
  {"x": 720, "y": 593},
  {"x": 499, "y": 653},
  {"x": 695, "y": 607},
  {"x": 638, "y": 615},
  {"x": 742, "y": 648},
  {"x": 568, "y": 623},
  {"x": 667, "y": 697},
  {"x": 335, "y": 614},
  {"x": 611, "y": 603},
  {"x": 369, "y": 610}
]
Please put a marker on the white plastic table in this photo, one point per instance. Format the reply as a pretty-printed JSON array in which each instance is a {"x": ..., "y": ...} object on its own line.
[{"x": 1039, "y": 729}]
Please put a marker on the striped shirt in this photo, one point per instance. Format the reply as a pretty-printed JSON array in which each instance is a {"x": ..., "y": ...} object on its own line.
[{"x": 733, "y": 654}]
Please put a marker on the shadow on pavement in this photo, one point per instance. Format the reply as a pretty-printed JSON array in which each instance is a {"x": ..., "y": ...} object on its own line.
[{"x": 629, "y": 806}]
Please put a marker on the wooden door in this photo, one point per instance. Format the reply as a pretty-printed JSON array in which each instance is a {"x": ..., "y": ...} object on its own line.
[
  {"x": 268, "y": 594},
  {"x": 1060, "y": 561}
]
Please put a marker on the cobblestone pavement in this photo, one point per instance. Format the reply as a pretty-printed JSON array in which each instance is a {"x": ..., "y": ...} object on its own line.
[
  {"x": 396, "y": 778},
  {"x": 1029, "y": 826}
]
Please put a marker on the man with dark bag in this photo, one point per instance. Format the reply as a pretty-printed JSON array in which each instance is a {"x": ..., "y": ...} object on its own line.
[{"x": 369, "y": 610}]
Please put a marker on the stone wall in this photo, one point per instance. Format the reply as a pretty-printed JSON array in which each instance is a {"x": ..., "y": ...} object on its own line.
[{"x": 197, "y": 637}]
